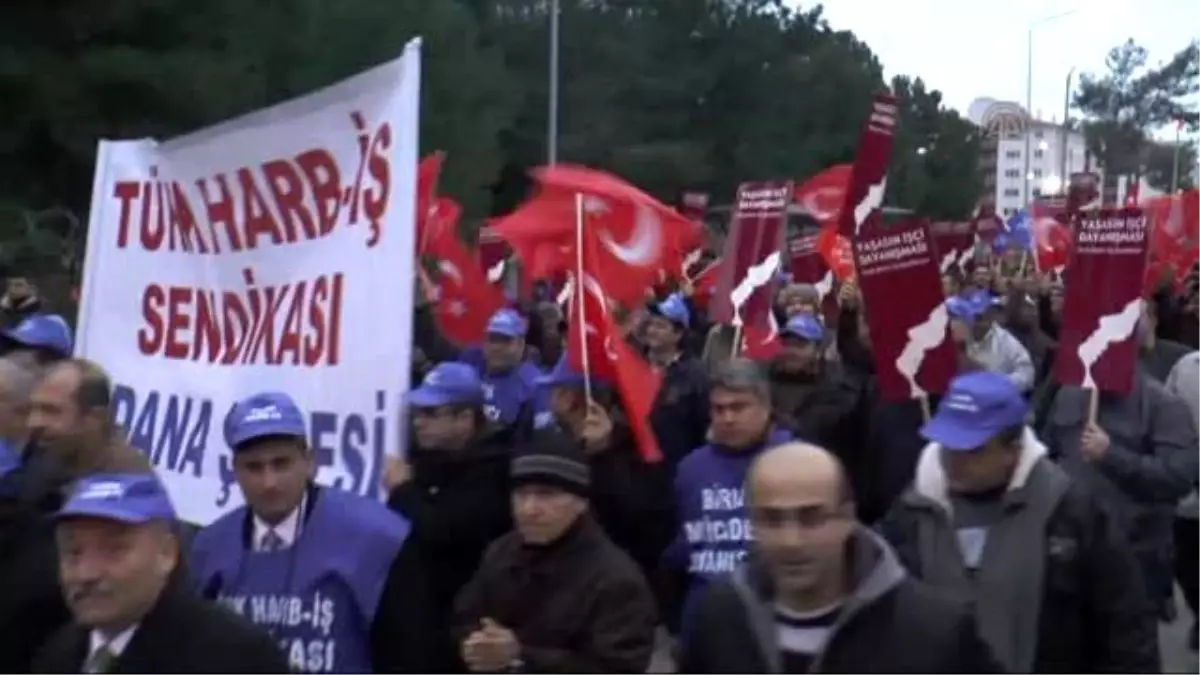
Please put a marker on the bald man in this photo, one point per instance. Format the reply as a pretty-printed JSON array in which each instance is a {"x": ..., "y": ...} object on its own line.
[{"x": 820, "y": 592}]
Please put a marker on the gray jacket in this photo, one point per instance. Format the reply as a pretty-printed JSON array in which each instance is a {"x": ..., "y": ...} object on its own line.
[
  {"x": 1001, "y": 352},
  {"x": 1151, "y": 461},
  {"x": 1184, "y": 382},
  {"x": 1007, "y": 590},
  {"x": 876, "y": 572}
]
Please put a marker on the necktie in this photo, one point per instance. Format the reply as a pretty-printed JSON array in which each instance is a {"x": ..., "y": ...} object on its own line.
[
  {"x": 103, "y": 660},
  {"x": 272, "y": 542}
]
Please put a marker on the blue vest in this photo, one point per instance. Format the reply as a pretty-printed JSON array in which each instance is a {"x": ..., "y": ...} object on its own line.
[
  {"x": 715, "y": 527},
  {"x": 317, "y": 597},
  {"x": 10, "y": 459},
  {"x": 505, "y": 394}
]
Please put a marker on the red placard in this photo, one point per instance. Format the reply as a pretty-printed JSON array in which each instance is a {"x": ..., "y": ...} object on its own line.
[
  {"x": 1102, "y": 301},
  {"x": 906, "y": 313}
]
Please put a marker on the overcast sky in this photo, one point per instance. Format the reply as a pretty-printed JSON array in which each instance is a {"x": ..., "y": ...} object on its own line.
[{"x": 973, "y": 48}]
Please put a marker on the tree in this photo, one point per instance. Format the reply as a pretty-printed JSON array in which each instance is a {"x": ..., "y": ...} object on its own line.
[
  {"x": 1130, "y": 100},
  {"x": 1162, "y": 164},
  {"x": 132, "y": 68},
  {"x": 935, "y": 159}
]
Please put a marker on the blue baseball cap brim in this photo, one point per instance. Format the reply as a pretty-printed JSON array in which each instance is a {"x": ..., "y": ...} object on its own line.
[
  {"x": 107, "y": 511},
  {"x": 240, "y": 438},
  {"x": 959, "y": 435},
  {"x": 434, "y": 397}
]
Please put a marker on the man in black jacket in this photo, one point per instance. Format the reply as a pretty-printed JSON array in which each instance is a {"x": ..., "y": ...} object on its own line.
[
  {"x": 555, "y": 595},
  {"x": 118, "y": 553},
  {"x": 991, "y": 519},
  {"x": 680, "y": 415},
  {"x": 454, "y": 487},
  {"x": 821, "y": 593}
]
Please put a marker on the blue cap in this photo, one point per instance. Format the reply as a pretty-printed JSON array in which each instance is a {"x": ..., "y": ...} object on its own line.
[
  {"x": 266, "y": 414},
  {"x": 976, "y": 408},
  {"x": 43, "y": 331},
  {"x": 126, "y": 498},
  {"x": 450, "y": 383},
  {"x": 806, "y": 327},
  {"x": 964, "y": 309},
  {"x": 507, "y": 322},
  {"x": 674, "y": 309},
  {"x": 563, "y": 375}
]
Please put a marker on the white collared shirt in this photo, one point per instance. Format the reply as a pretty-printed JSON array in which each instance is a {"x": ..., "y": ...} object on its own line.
[
  {"x": 116, "y": 645},
  {"x": 287, "y": 529}
]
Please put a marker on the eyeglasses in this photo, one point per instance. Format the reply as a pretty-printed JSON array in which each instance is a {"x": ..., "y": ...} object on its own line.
[{"x": 805, "y": 517}]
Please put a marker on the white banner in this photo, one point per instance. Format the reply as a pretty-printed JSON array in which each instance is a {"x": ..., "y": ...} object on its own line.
[{"x": 273, "y": 252}]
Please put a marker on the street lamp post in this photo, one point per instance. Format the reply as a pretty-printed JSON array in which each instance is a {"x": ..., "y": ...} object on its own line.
[
  {"x": 552, "y": 103},
  {"x": 1175, "y": 160},
  {"x": 1062, "y": 158},
  {"x": 1029, "y": 92}
]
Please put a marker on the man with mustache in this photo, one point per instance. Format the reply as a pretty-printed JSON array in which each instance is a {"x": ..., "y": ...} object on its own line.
[
  {"x": 118, "y": 553},
  {"x": 71, "y": 435}
]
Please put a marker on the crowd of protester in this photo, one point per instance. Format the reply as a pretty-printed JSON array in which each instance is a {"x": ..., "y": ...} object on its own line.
[{"x": 798, "y": 522}]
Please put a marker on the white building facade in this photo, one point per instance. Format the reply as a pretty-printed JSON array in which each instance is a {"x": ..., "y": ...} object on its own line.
[{"x": 1055, "y": 152}]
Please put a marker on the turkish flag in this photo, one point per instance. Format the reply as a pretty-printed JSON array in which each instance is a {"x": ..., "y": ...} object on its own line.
[
  {"x": 465, "y": 299},
  {"x": 596, "y": 346},
  {"x": 429, "y": 172},
  {"x": 823, "y": 195},
  {"x": 835, "y": 249},
  {"x": 637, "y": 236}
]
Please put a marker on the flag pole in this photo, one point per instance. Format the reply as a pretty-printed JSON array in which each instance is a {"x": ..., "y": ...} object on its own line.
[{"x": 580, "y": 295}]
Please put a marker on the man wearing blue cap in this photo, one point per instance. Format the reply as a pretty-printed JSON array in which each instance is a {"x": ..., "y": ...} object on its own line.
[
  {"x": 680, "y": 414},
  {"x": 353, "y": 595},
  {"x": 118, "y": 556},
  {"x": 812, "y": 397},
  {"x": 71, "y": 435},
  {"x": 454, "y": 488},
  {"x": 984, "y": 342},
  {"x": 991, "y": 518},
  {"x": 511, "y": 395},
  {"x": 45, "y": 337}
]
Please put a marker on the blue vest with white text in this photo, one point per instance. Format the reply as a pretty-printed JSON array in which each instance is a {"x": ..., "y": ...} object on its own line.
[
  {"x": 318, "y": 597},
  {"x": 710, "y": 498},
  {"x": 505, "y": 394}
]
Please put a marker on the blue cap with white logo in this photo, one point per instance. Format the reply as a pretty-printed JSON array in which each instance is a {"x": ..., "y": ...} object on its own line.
[
  {"x": 976, "y": 408},
  {"x": 449, "y": 383},
  {"x": 43, "y": 331},
  {"x": 507, "y": 322},
  {"x": 964, "y": 309},
  {"x": 674, "y": 309},
  {"x": 262, "y": 415},
  {"x": 125, "y": 498},
  {"x": 806, "y": 327}
]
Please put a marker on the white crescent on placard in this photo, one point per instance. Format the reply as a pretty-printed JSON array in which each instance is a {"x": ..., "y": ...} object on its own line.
[
  {"x": 824, "y": 286},
  {"x": 949, "y": 259},
  {"x": 966, "y": 257},
  {"x": 870, "y": 202},
  {"x": 641, "y": 249},
  {"x": 496, "y": 272}
]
